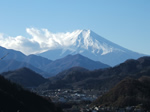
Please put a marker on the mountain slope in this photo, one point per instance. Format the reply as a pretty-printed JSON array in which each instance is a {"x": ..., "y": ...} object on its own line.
[
  {"x": 12, "y": 54},
  {"x": 37, "y": 61},
  {"x": 9, "y": 65},
  {"x": 34, "y": 60},
  {"x": 65, "y": 79},
  {"x": 45, "y": 67},
  {"x": 72, "y": 61},
  {"x": 14, "y": 99},
  {"x": 15, "y": 60},
  {"x": 70, "y": 71},
  {"x": 24, "y": 77},
  {"x": 89, "y": 44},
  {"x": 102, "y": 78},
  {"x": 128, "y": 92}
]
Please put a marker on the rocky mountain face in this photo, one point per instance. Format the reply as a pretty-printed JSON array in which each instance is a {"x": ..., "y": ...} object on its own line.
[{"x": 89, "y": 44}]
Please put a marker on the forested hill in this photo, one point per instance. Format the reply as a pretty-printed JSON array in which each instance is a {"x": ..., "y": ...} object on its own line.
[
  {"x": 15, "y": 99},
  {"x": 129, "y": 92}
]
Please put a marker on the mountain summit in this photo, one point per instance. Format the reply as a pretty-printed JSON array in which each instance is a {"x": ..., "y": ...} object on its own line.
[
  {"x": 70, "y": 61},
  {"x": 89, "y": 44}
]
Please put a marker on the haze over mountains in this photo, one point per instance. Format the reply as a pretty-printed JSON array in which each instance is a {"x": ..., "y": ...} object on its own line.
[
  {"x": 15, "y": 60},
  {"x": 73, "y": 61}
]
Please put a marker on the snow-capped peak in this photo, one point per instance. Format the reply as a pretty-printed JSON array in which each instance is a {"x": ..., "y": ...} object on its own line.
[
  {"x": 87, "y": 40},
  {"x": 86, "y": 43},
  {"x": 80, "y": 40},
  {"x": 57, "y": 45}
]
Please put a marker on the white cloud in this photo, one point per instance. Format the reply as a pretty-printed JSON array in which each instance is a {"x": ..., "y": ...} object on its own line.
[
  {"x": 19, "y": 43},
  {"x": 39, "y": 41}
]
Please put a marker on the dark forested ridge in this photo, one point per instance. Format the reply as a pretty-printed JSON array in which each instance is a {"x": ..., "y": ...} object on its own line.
[
  {"x": 78, "y": 77},
  {"x": 133, "y": 89},
  {"x": 25, "y": 77},
  {"x": 129, "y": 92},
  {"x": 99, "y": 79},
  {"x": 15, "y": 99}
]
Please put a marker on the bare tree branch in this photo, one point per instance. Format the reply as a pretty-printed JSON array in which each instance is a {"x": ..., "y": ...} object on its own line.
[{"x": 4, "y": 56}]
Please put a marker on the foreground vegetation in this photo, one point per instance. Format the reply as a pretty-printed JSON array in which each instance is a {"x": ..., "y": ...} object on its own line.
[{"x": 14, "y": 98}]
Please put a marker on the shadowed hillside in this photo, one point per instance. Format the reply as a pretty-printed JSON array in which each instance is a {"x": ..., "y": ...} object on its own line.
[
  {"x": 25, "y": 77},
  {"x": 129, "y": 92},
  {"x": 14, "y": 99},
  {"x": 99, "y": 79}
]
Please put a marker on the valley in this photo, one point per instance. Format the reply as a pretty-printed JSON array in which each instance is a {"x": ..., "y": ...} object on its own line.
[{"x": 69, "y": 98}]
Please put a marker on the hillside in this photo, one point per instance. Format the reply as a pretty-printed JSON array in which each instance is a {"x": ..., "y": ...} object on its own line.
[
  {"x": 36, "y": 61},
  {"x": 102, "y": 78},
  {"x": 24, "y": 77},
  {"x": 14, "y": 99},
  {"x": 129, "y": 92},
  {"x": 14, "y": 60},
  {"x": 10, "y": 65},
  {"x": 73, "y": 61},
  {"x": 45, "y": 67}
]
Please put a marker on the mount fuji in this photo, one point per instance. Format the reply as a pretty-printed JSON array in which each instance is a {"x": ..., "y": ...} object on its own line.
[{"x": 89, "y": 44}]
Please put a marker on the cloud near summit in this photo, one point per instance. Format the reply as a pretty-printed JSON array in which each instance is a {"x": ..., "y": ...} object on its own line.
[{"x": 37, "y": 42}]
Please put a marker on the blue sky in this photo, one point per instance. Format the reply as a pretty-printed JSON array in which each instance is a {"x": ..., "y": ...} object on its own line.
[{"x": 124, "y": 22}]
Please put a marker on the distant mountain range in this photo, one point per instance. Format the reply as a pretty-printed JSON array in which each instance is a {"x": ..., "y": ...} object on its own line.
[
  {"x": 15, "y": 60},
  {"x": 78, "y": 77},
  {"x": 9, "y": 65},
  {"x": 128, "y": 84},
  {"x": 82, "y": 48},
  {"x": 99, "y": 79},
  {"x": 81, "y": 60},
  {"x": 73, "y": 61},
  {"x": 33, "y": 60},
  {"x": 89, "y": 44}
]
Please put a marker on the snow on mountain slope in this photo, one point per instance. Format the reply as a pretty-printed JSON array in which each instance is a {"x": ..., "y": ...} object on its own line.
[
  {"x": 83, "y": 39},
  {"x": 89, "y": 44}
]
